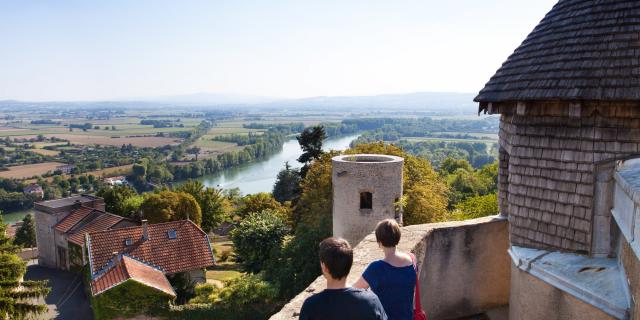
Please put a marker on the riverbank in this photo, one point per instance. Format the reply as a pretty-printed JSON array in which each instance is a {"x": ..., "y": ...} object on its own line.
[{"x": 261, "y": 175}]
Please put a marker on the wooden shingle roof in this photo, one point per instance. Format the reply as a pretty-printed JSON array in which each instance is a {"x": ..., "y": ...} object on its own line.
[{"x": 581, "y": 50}]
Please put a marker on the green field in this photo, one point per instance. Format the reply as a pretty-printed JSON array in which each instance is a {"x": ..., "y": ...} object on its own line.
[
  {"x": 419, "y": 139},
  {"x": 223, "y": 270}
]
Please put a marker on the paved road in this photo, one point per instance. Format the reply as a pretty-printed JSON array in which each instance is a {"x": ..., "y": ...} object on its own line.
[{"x": 67, "y": 300}]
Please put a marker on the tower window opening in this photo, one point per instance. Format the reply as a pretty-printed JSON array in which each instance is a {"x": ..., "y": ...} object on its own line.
[{"x": 366, "y": 200}]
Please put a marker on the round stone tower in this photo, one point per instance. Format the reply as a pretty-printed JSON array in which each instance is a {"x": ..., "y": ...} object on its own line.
[{"x": 366, "y": 189}]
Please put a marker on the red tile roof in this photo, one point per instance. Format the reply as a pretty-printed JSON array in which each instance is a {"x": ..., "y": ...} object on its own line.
[
  {"x": 73, "y": 218},
  {"x": 124, "y": 268},
  {"x": 190, "y": 249},
  {"x": 103, "y": 222}
]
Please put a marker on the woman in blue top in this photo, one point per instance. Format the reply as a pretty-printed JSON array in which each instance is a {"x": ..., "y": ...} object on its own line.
[{"x": 393, "y": 278}]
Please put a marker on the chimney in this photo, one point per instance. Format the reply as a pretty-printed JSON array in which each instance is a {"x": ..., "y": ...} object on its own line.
[
  {"x": 145, "y": 231},
  {"x": 77, "y": 204}
]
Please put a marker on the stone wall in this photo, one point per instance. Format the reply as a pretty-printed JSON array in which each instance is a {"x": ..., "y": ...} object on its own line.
[
  {"x": 553, "y": 150},
  {"x": 464, "y": 267}
]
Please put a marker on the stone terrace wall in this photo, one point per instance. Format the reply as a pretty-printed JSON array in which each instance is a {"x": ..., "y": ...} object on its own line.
[
  {"x": 464, "y": 267},
  {"x": 554, "y": 150}
]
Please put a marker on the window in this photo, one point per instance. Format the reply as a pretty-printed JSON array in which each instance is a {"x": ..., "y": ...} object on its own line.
[
  {"x": 128, "y": 242},
  {"x": 366, "y": 200},
  {"x": 172, "y": 234}
]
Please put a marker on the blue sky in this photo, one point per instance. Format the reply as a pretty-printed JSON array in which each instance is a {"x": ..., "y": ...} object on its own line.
[{"x": 96, "y": 50}]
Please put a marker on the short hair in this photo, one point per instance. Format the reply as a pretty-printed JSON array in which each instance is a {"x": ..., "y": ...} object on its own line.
[
  {"x": 388, "y": 233},
  {"x": 337, "y": 256}
]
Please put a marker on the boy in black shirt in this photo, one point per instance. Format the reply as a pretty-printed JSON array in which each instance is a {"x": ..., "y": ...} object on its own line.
[{"x": 339, "y": 301}]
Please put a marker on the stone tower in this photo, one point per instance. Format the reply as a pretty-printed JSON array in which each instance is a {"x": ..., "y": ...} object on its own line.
[{"x": 366, "y": 189}]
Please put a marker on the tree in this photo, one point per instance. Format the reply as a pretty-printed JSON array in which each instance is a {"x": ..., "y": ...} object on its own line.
[
  {"x": 476, "y": 207},
  {"x": 115, "y": 198},
  {"x": 213, "y": 204},
  {"x": 450, "y": 165},
  {"x": 310, "y": 141},
  {"x": 256, "y": 238},
  {"x": 287, "y": 185},
  {"x": 170, "y": 206},
  {"x": 17, "y": 296},
  {"x": 259, "y": 202},
  {"x": 26, "y": 234}
]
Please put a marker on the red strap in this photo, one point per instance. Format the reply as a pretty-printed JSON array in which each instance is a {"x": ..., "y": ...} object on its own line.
[{"x": 416, "y": 298}]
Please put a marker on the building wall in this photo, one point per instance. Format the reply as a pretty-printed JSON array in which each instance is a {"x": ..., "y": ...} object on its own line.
[
  {"x": 45, "y": 237},
  {"x": 631, "y": 266},
  {"x": 464, "y": 267},
  {"x": 553, "y": 149},
  {"x": 350, "y": 178},
  {"x": 533, "y": 299},
  {"x": 47, "y": 215}
]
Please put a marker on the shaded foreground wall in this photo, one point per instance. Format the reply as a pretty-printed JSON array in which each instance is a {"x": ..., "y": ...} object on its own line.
[
  {"x": 533, "y": 299},
  {"x": 464, "y": 267}
]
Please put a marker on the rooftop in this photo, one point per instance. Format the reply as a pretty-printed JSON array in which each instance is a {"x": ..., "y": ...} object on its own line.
[
  {"x": 84, "y": 220},
  {"x": 582, "y": 49},
  {"x": 189, "y": 250},
  {"x": 125, "y": 268},
  {"x": 58, "y": 203}
]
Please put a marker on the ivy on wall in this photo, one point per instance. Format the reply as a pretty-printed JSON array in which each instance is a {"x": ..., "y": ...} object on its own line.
[{"x": 129, "y": 299}]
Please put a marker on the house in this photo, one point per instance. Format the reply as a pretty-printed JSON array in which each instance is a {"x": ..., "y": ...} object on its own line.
[
  {"x": 155, "y": 251},
  {"x": 34, "y": 189},
  {"x": 65, "y": 169},
  {"x": 116, "y": 181},
  {"x": 61, "y": 225}
]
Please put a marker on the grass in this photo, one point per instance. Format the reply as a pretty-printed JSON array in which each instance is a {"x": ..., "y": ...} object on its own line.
[
  {"x": 223, "y": 270},
  {"x": 223, "y": 275},
  {"x": 45, "y": 152}
]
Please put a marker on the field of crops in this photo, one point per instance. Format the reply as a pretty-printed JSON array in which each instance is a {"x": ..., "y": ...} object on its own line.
[{"x": 29, "y": 170}]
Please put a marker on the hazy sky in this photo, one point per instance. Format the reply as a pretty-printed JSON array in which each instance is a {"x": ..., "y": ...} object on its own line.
[{"x": 87, "y": 50}]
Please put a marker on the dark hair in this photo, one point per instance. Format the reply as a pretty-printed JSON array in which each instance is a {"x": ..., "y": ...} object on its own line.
[
  {"x": 336, "y": 254},
  {"x": 388, "y": 233}
]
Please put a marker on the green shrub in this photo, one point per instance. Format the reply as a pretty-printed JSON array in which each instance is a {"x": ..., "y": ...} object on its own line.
[
  {"x": 256, "y": 237},
  {"x": 245, "y": 298}
]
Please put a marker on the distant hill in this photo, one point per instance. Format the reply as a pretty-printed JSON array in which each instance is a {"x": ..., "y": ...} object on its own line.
[
  {"x": 418, "y": 101},
  {"x": 436, "y": 102}
]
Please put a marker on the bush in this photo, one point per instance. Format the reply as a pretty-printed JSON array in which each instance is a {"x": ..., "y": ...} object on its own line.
[
  {"x": 129, "y": 299},
  {"x": 248, "y": 297},
  {"x": 256, "y": 238}
]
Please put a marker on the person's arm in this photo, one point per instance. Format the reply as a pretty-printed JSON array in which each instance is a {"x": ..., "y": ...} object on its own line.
[
  {"x": 361, "y": 283},
  {"x": 304, "y": 311}
]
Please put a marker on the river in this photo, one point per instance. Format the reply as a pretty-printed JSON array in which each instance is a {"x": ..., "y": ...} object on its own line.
[
  {"x": 260, "y": 176},
  {"x": 250, "y": 178}
]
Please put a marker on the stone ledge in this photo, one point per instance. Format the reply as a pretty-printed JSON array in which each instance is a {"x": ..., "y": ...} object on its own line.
[{"x": 599, "y": 282}]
